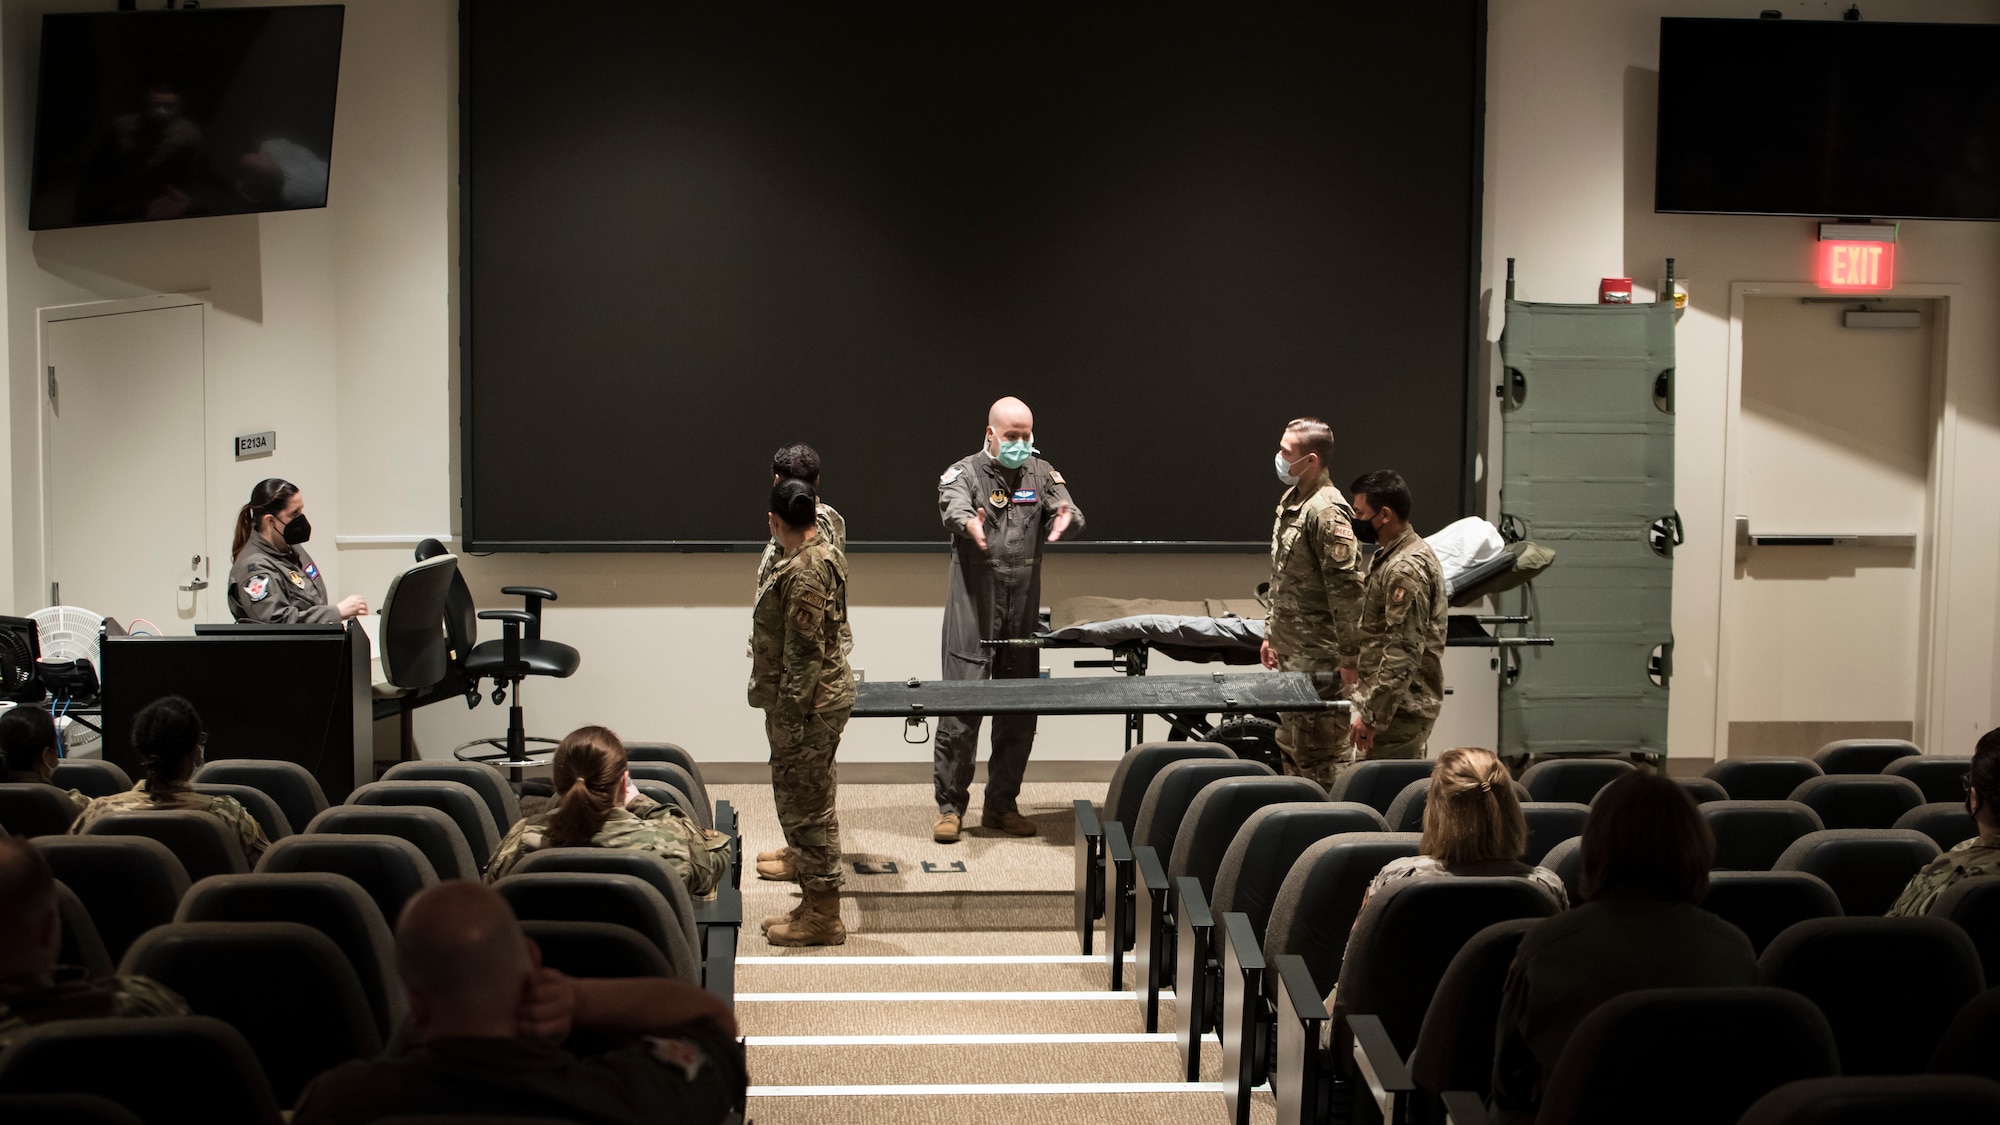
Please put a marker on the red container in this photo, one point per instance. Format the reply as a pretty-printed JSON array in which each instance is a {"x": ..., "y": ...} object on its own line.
[{"x": 1614, "y": 291}]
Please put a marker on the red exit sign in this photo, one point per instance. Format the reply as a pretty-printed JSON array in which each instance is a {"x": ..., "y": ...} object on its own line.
[{"x": 1857, "y": 265}]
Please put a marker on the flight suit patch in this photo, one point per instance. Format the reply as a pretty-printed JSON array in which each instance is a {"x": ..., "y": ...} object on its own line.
[
  {"x": 998, "y": 499},
  {"x": 298, "y": 580},
  {"x": 950, "y": 475},
  {"x": 1026, "y": 496},
  {"x": 1056, "y": 477},
  {"x": 312, "y": 570},
  {"x": 258, "y": 588},
  {"x": 1397, "y": 594},
  {"x": 680, "y": 1054},
  {"x": 1342, "y": 551}
]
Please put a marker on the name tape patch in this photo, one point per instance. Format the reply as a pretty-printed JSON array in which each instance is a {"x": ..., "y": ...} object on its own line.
[{"x": 1026, "y": 496}]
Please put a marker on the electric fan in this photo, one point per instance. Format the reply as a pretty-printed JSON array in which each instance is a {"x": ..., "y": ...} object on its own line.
[{"x": 69, "y": 636}]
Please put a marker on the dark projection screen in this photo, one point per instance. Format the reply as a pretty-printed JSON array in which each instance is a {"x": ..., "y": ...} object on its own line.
[{"x": 696, "y": 232}]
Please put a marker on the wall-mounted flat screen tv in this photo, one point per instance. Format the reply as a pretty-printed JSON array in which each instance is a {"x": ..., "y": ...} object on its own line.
[
  {"x": 180, "y": 114},
  {"x": 1829, "y": 118}
]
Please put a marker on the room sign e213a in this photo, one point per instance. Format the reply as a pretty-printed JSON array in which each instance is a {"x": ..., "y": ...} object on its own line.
[{"x": 1856, "y": 266}]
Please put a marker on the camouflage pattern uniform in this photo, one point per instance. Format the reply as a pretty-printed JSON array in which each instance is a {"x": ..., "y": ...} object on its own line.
[
  {"x": 1402, "y": 647},
  {"x": 180, "y": 798},
  {"x": 800, "y": 678},
  {"x": 699, "y": 856},
  {"x": 24, "y": 777},
  {"x": 1314, "y": 622},
  {"x": 1970, "y": 860},
  {"x": 65, "y": 994},
  {"x": 832, "y": 528}
]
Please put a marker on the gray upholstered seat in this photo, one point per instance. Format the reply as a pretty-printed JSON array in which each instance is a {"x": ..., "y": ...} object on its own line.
[
  {"x": 32, "y": 809},
  {"x": 622, "y": 861},
  {"x": 203, "y": 844},
  {"x": 1764, "y": 904},
  {"x": 1549, "y": 824},
  {"x": 1942, "y": 778},
  {"x": 157, "y": 1060},
  {"x": 1973, "y": 905},
  {"x": 1376, "y": 783},
  {"x": 390, "y": 869},
  {"x": 1859, "y": 801},
  {"x": 1566, "y": 860},
  {"x": 129, "y": 884},
  {"x": 434, "y": 833},
  {"x": 93, "y": 777},
  {"x": 455, "y": 799},
  {"x": 1863, "y": 755},
  {"x": 1866, "y": 867},
  {"x": 1574, "y": 780},
  {"x": 489, "y": 783},
  {"x": 290, "y": 784},
  {"x": 1946, "y": 823},
  {"x": 626, "y": 900},
  {"x": 259, "y": 804},
  {"x": 1889, "y": 987},
  {"x": 1751, "y": 835},
  {"x": 1764, "y": 778},
  {"x": 1134, "y": 775},
  {"x": 1703, "y": 789},
  {"x": 1935, "y": 1099},
  {"x": 678, "y": 777}
]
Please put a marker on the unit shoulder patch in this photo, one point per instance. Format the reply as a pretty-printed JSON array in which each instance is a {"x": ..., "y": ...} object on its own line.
[
  {"x": 951, "y": 474},
  {"x": 1056, "y": 478},
  {"x": 258, "y": 588}
]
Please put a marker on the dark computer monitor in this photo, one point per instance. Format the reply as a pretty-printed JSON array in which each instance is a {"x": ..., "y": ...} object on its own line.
[{"x": 20, "y": 648}]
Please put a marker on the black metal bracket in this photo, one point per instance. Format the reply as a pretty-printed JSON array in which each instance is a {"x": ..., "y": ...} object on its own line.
[
  {"x": 955, "y": 867},
  {"x": 886, "y": 867}
]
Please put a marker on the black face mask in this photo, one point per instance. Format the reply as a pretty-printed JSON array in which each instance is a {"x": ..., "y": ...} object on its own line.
[
  {"x": 298, "y": 531},
  {"x": 1364, "y": 530}
]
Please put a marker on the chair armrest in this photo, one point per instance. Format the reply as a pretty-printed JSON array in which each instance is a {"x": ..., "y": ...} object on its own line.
[
  {"x": 1117, "y": 848},
  {"x": 1242, "y": 939},
  {"x": 1387, "y": 1075},
  {"x": 725, "y": 823},
  {"x": 1152, "y": 876},
  {"x": 725, "y": 909},
  {"x": 1118, "y": 905},
  {"x": 1462, "y": 1107},
  {"x": 533, "y": 597},
  {"x": 1089, "y": 849},
  {"x": 1295, "y": 982},
  {"x": 1300, "y": 1069},
  {"x": 510, "y": 616},
  {"x": 1086, "y": 820},
  {"x": 1193, "y": 905},
  {"x": 538, "y": 592}
]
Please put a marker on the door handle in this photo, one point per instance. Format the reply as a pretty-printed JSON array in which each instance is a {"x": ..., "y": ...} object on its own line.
[{"x": 197, "y": 582}]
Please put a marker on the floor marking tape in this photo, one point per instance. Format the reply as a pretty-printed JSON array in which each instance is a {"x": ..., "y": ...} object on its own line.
[{"x": 987, "y": 1088}]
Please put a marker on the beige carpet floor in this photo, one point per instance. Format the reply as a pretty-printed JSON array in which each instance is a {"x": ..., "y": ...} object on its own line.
[{"x": 961, "y": 992}]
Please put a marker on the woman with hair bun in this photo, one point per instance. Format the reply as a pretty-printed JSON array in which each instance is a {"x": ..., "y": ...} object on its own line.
[
  {"x": 1472, "y": 826},
  {"x": 800, "y": 678},
  {"x": 168, "y": 737},
  {"x": 271, "y": 578},
  {"x": 595, "y": 807}
]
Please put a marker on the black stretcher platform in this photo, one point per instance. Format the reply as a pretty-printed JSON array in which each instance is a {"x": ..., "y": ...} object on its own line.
[{"x": 1226, "y": 693}]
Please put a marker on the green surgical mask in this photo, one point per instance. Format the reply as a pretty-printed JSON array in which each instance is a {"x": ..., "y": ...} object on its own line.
[{"x": 1014, "y": 454}]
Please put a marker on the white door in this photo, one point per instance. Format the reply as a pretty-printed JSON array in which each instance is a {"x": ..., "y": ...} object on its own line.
[
  {"x": 126, "y": 484},
  {"x": 1834, "y": 440}
]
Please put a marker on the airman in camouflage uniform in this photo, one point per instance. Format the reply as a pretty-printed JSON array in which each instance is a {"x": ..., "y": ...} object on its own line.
[
  {"x": 699, "y": 856},
  {"x": 66, "y": 993},
  {"x": 180, "y": 797},
  {"x": 1313, "y": 624},
  {"x": 1973, "y": 859},
  {"x": 800, "y": 678},
  {"x": 1403, "y": 613}
]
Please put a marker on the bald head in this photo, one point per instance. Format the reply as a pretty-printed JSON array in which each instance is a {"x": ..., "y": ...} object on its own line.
[
  {"x": 1011, "y": 413},
  {"x": 462, "y": 955},
  {"x": 30, "y": 932}
]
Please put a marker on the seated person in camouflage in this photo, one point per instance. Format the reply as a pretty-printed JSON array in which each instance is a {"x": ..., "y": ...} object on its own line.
[
  {"x": 1976, "y": 858},
  {"x": 28, "y": 737},
  {"x": 34, "y": 990},
  {"x": 1472, "y": 826},
  {"x": 168, "y": 737},
  {"x": 491, "y": 1024},
  {"x": 596, "y": 807}
]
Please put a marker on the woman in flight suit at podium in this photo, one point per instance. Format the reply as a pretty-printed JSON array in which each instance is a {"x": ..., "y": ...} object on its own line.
[{"x": 273, "y": 580}]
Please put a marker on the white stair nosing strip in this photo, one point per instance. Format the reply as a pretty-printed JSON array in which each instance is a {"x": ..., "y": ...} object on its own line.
[
  {"x": 997, "y": 1039},
  {"x": 1021, "y": 959},
  {"x": 988, "y": 1088},
  {"x": 927, "y": 997}
]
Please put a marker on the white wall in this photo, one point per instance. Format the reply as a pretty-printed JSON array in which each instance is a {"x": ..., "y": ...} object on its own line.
[
  {"x": 337, "y": 328},
  {"x": 1572, "y": 94}
]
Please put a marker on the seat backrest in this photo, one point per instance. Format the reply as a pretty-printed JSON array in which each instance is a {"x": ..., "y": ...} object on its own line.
[
  {"x": 286, "y": 987},
  {"x": 1550, "y": 823},
  {"x": 93, "y": 777},
  {"x": 1863, "y": 755},
  {"x": 1972, "y": 1044},
  {"x": 1762, "y": 778},
  {"x": 1566, "y": 860},
  {"x": 332, "y": 904},
  {"x": 203, "y": 844},
  {"x": 1764, "y": 904},
  {"x": 622, "y": 861},
  {"x": 81, "y": 944},
  {"x": 1941, "y": 777},
  {"x": 1218, "y": 811},
  {"x": 1376, "y": 783},
  {"x": 663, "y": 793},
  {"x": 128, "y": 883},
  {"x": 1973, "y": 905},
  {"x": 390, "y": 869},
  {"x": 1455, "y": 1044},
  {"x": 489, "y": 783},
  {"x": 1406, "y": 935},
  {"x": 1751, "y": 835},
  {"x": 1317, "y": 903},
  {"x": 290, "y": 784},
  {"x": 682, "y": 780},
  {"x": 456, "y": 799},
  {"x": 1135, "y": 772},
  {"x": 410, "y": 637},
  {"x": 259, "y": 804},
  {"x": 157, "y": 1061},
  {"x": 627, "y": 900},
  {"x": 1406, "y": 812},
  {"x": 65, "y": 1109},
  {"x": 670, "y": 754},
  {"x": 1173, "y": 792},
  {"x": 1889, "y": 987},
  {"x": 1703, "y": 789},
  {"x": 596, "y": 949},
  {"x": 29, "y": 808},
  {"x": 461, "y": 616},
  {"x": 1573, "y": 780},
  {"x": 1866, "y": 867},
  {"x": 1859, "y": 801},
  {"x": 1742, "y": 1042},
  {"x": 1946, "y": 823},
  {"x": 1935, "y": 1099},
  {"x": 1271, "y": 841},
  {"x": 434, "y": 833}
]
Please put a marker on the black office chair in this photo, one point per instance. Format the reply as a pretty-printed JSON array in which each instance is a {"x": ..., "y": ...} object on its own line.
[
  {"x": 521, "y": 652},
  {"x": 413, "y": 653}
]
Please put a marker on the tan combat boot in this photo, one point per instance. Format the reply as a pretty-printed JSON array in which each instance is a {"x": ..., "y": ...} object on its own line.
[
  {"x": 945, "y": 831},
  {"x": 777, "y": 866},
  {"x": 1012, "y": 823},
  {"x": 780, "y": 919},
  {"x": 816, "y": 922}
]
